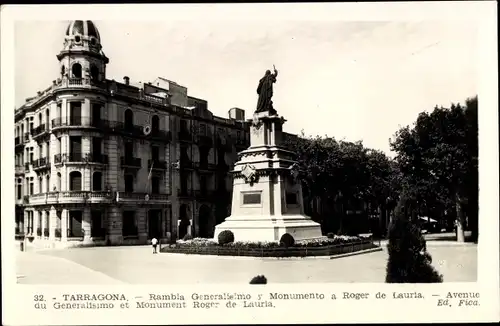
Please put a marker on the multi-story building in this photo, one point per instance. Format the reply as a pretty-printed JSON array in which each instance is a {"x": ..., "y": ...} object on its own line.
[{"x": 104, "y": 161}]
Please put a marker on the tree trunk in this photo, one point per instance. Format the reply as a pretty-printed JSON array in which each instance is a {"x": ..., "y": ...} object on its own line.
[{"x": 460, "y": 219}]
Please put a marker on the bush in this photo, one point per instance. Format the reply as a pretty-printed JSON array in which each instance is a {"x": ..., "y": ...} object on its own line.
[
  {"x": 330, "y": 235},
  {"x": 409, "y": 261},
  {"x": 225, "y": 237},
  {"x": 287, "y": 240},
  {"x": 259, "y": 279},
  {"x": 187, "y": 237}
]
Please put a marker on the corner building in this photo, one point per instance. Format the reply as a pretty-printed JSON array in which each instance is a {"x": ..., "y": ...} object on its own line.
[{"x": 106, "y": 162}]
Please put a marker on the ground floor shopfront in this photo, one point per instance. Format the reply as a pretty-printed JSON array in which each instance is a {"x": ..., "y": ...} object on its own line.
[
  {"x": 74, "y": 225},
  {"x": 113, "y": 224}
]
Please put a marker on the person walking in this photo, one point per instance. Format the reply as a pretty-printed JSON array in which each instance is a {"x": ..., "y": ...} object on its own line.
[{"x": 154, "y": 242}]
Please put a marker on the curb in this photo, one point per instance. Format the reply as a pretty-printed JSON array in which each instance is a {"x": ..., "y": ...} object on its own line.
[{"x": 360, "y": 252}]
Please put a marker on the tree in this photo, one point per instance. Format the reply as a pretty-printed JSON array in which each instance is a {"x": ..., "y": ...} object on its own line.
[
  {"x": 409, "y": 261},
  {"x": 438, "y": 162},
  {"x": 346, "y": 176}
]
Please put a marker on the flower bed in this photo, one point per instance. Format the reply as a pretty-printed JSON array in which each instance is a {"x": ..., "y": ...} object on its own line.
[{"x": 317, "y": 247}]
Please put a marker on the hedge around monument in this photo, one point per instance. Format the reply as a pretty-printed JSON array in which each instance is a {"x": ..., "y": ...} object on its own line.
[{"x": 318, "y": 247}]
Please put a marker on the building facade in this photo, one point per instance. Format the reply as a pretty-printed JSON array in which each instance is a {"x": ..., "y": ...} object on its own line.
[{"x": 102, "y": 161}]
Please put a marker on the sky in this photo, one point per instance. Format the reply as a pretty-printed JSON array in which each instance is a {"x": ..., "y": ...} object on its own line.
[{"x": 353, "y": 80}]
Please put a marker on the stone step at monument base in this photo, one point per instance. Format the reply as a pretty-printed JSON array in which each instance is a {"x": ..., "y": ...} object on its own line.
[{"x": 269, "y": 228}]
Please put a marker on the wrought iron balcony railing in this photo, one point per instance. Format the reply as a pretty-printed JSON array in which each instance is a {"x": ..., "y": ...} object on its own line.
[
  {"x": 186, "y": 164},
  {"x": 205, "y": 166},
  {"x": 157, "y": 165},
  {"x": 182, "y": 192},
  {"x": 130, "y": 161},
  {"x": 40, "y": 130},
  {"x": 204, "y": 140},
  {"x": 41, "y": 163},
  {"x": 185, "y": 136}
]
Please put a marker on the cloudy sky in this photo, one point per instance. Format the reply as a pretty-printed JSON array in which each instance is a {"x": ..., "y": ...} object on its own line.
[{"x": 353, "y": 80}]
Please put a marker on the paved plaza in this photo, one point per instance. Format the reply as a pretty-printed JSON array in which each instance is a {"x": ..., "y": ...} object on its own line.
[{"x": 137, "y": 265}]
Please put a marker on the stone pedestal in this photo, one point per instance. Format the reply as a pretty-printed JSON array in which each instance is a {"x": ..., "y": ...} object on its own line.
[{"x": 267, "y": 197}]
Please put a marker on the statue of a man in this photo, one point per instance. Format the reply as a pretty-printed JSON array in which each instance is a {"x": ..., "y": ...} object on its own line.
[{"x": 265, "y": 91}]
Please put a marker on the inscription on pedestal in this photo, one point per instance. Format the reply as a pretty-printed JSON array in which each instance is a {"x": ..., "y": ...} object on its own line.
[{"x": 251, "y": 199}]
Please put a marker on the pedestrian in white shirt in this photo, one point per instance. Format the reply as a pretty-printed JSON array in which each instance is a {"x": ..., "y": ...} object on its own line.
[{"x": 154, "y": 242}]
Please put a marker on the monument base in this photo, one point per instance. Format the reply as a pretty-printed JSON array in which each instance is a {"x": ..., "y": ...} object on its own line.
[{"x": 269, "y": 228}]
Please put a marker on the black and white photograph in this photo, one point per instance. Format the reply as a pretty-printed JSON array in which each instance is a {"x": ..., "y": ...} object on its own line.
[{"x": 245, "y": 150}]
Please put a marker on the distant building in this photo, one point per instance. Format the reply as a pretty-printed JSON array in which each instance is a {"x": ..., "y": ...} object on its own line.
[{"x": 99, "y": 160}]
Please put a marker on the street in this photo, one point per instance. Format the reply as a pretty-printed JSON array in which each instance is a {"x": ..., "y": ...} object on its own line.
[{"x": 137, "y": 265}]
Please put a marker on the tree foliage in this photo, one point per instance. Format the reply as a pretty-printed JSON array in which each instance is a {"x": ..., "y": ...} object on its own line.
[
  {"x": 409, "y": 261},
  {"x": 438, "y": 163},
  {"x": 434, "y": 173}
]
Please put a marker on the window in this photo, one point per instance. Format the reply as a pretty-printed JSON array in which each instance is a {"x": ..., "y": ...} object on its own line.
[
  {"x": 155, "y": 153},
  {"x": 129, "y": 183},
  {"x": 203, "y": 129},
  {"x": 75, "y": 181},
  {"x": 155, "y": 124},
  {"x": 58, "y": 181},
  {"x": 40, "y": 185},
  {"x": 96, "y": 115},
  {"x": 76, "y": 69},
  {"x": 75, "y": 113},
  {"x": 47, "y": 183},
  {"x": 63, "y": 70},
  {"x": 94, "y": 73},
  {"x": 97, "y": 181},
  {"x": 19, "y": 191},
  {"x": 77, "y": 39},
  {"x": 129, "y": 120},
  {"x": 155, "y": 185}
]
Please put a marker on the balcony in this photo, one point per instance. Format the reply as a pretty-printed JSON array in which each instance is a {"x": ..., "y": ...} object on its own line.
[
  {"x": 26, "y": 137},
  {"x": 186, "y": 193},
  {"x": 81, "y": 158},
  {"x": 205, "y": 141},
  {"x": 58, "y": 158},
  {"x": 205, "y": 166},
  {"x": 27, "y": 167},
  {"x": 161, "y": 135},
  {"x": 19, "y": 169},
  {"x": 141, "y": 197},
  {"x": 204, "y": 194},
  {"x": 18, "y": 143},
  {"x": 186, "y": 164},
  {"x": 185, "y": 136},
  {"x": 130, "y": 162},
  {"x": 40, "y": 131},
  {"x": 68, "y": 197},
  {"x": 41, "y": 163},
  {"x": 98, "y": 158},
  {"x": 157, "y": 165},
  {"x": 224, "y": 144}
]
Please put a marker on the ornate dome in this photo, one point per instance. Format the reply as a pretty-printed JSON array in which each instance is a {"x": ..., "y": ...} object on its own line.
[{"x": 83, "y": 29}]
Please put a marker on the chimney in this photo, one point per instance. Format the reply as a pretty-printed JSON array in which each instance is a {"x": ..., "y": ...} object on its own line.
[{"x": 126, "y": 80}]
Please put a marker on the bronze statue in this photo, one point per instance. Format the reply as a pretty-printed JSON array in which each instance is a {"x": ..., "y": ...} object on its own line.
[{"x": 265, "y": 91}]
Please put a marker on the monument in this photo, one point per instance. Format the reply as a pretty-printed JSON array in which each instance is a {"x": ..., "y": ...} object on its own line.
[{"x": 267, "y": 197}]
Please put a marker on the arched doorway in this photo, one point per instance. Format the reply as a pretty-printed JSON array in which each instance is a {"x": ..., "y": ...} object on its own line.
[
  {"x": 206, "y": 222},
  {"x": 184, "y": 221}
]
